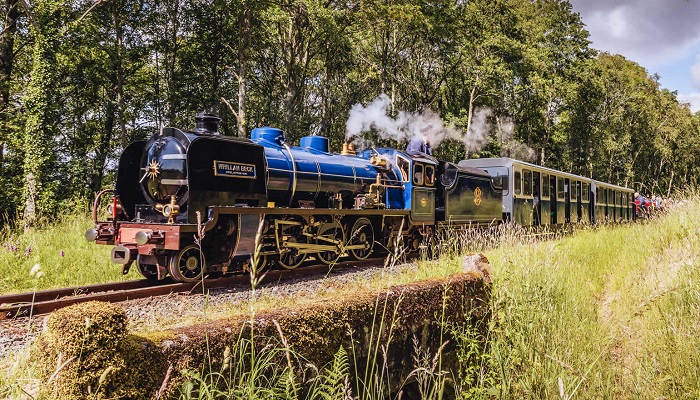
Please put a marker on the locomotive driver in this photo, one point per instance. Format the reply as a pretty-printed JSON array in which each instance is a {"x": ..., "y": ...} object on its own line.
[{"x": 419, "y": 146}]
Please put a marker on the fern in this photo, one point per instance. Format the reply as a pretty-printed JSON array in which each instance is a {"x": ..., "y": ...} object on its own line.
[{"x": 333, "y": 382}]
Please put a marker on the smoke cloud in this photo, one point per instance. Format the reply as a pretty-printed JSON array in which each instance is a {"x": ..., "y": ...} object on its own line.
[
  {"x": 509, "y": 146},
  {"x": 408, "y": 126},
  {"x": 478, "y": 134},
  {"x": 405, "y": 127}
]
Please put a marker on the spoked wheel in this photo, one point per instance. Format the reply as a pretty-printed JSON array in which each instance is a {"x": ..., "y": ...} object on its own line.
[
  {"x": 186, "y": 265},
  {"x": 148, "y": 271},
  {"x": 362, "y": 234},
  {"x": 327, "y": 234},
  {"x": 290, "y": 257}
]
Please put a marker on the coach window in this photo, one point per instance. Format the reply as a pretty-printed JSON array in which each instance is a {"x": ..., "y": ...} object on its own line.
[
  {"x": 429, "y": 175},
  {"x": 418, "y": 174},
  {"x": 518, "y": 182},
  {"x": 527, "y": 182},
  {"x": 499, "y": 179},
  {"x": 560, "y": 189},
  {"x": 586, "y": 192},
  {"x": 545, "y": 186}
]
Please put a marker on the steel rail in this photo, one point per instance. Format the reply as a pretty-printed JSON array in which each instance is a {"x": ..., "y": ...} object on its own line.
[{"x": 39, "y": 303}]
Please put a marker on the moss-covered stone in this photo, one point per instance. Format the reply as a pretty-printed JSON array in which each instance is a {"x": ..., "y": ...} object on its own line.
[
  {"x": 103, "y": 359},
  {"x": 85, "y": 351},
  {"x": 315, "y": 331}
]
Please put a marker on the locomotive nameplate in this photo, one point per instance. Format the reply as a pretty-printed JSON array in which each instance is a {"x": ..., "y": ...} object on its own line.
[{"x": 234, "y": 170}]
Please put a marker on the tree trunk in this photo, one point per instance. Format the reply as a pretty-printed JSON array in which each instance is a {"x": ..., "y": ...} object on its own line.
[
  {"x": 295, "y": 48},
  {"x": 171, "y": 58},
  {"x": 7, "y": 42},
  {"x": 120, "y": 78},
  {"x": 243, "y": 41},
  {"x": 41, "y": 103},
  {"x": 470, "y": 113},
  {"x": 102, "y": 148}
]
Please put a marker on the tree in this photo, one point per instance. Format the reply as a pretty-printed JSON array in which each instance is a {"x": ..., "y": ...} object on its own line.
[{"x": 41, "y": 103}]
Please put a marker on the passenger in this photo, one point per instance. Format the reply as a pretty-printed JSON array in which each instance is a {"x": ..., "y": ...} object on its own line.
[
  {"x": 637, "y": 203},
  {"x": 419, "y": 146},
  {"x": 647, "y": 204}
]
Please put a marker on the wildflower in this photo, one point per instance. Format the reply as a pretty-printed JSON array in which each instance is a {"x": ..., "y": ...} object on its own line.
[
  {"x": 28, "y": 251},
  {"x": 63, "y": 254},
  {"x": 35, "y": 270},
  {"x": 39, "y": 274}
]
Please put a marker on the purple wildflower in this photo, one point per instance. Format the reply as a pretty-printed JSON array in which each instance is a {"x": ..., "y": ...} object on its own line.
[
  {"x": 63, "y": 254},
  {"x": 28, "y": 251}
]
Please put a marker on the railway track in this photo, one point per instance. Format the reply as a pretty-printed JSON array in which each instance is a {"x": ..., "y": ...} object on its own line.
[{"x": 30, "y": 304}]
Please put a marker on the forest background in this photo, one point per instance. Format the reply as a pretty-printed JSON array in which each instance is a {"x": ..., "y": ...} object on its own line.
[{"x": 79, "y": 80}]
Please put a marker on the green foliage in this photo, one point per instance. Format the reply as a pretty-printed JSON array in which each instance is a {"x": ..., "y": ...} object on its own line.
[
  {"x": 605, "y": 313},
  {"x": 333, "y": 382},
  {"x": 102, "y": 75},
  {"x": 247, "y": 371},
  {"x": 66, "y": 258},
  {"x": 85, "y": 352}
]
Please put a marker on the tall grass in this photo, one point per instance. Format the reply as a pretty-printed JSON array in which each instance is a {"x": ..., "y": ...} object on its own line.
[
  {"x": 66, "y": 258},
  {"x": 610, "y": 312},
  {"x": 606, "y": 312}
]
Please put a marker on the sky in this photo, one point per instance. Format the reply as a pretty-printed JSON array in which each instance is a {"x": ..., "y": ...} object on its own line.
[{"x": 662, "y": 36}]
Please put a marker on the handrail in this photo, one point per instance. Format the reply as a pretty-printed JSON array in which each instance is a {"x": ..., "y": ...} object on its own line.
[
  {"x": 96, "y": 203},
  {"x": 294, "y": 171}
]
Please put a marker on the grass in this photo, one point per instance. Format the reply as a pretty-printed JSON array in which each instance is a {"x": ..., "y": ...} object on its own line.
[
  {"x": 65, "y": 257},
  {"x": 607, "y": 312}
]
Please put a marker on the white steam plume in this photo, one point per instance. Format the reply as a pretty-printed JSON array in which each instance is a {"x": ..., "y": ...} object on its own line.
[
  {"x": 478, "y": 134},
  {"x": 408, "y": 126},
  {"x": 509, "y": 146},
  {"x": 405, "y": 127}
]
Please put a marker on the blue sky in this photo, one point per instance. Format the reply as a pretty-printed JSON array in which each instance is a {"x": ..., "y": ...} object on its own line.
[{"x": 662, "y": 36}]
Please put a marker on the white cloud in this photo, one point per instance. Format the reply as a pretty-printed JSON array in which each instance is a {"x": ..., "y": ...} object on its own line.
[
  {"x": 695, "y": 73},
  {"x": 650, "y": 32},
  {"x": 692, "y": 98}
]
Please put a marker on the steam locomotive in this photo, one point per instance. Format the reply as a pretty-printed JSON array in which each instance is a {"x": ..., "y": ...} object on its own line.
[{"x": 193, "y": 203}]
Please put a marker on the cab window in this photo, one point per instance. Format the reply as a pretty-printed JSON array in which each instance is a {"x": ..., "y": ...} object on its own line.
[
  {"x": 404, "y": 167},
  {"x": 545, "y": 186},
  {"x": 518, "y": 181},
  {"x": 418, "y": 174},
  {"x": 527, "y": 182},
  {"x": 429, "y": 175}
]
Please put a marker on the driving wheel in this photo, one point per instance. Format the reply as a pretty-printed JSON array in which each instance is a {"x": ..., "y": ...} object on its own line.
[
  {"x": 330, "y": 234},
  {"x": 186, "y": 265},
  {"x": 362, "y": 234}
]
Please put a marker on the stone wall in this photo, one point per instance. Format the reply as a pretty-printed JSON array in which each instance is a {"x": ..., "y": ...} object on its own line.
[{"x": 375, "y": 328}]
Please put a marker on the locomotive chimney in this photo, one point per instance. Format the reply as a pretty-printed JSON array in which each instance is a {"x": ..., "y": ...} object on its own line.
[
  {"x": 206, "y": 123},
  {"x": 348, "y": 149}
]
